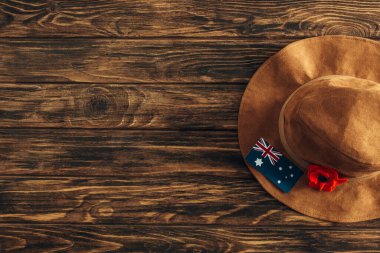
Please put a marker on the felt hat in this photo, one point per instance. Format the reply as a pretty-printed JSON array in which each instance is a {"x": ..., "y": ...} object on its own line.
[{"x": 317, "y": 101}]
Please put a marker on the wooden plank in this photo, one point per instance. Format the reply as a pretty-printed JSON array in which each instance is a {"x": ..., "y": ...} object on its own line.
[
  {"x": 182, "y": 198},
  {"x": 185, "y": 197},
  {"x": 134, "y": 177},
  {"x": 238, "y": 18},
  {"x": 121, "y": 61},
  {"x": 71, "y": 238},
  {"x": 118, "y": 153},
  {"x": 120, "y": 106}
]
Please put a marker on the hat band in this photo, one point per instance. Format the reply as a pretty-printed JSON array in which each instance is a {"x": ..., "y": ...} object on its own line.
[{"x": 303, "y": 164}]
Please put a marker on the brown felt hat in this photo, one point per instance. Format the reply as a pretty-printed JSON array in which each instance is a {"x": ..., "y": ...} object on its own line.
[{"x": 317, "y": 101}]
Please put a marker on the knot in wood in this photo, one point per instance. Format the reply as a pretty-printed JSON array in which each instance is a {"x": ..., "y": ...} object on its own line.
[
  {"x": 5, "y": 19},
  {"x": 53, "y": 7},
  {"x": 353, "y": 29},
  {"x": 98, "y": 106}
]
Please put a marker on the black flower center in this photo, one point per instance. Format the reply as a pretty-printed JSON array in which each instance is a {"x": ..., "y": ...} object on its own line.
[{"x": 322, "y": 178}]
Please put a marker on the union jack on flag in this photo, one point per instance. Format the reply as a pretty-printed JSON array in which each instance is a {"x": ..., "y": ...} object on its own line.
[{"x": 267, "y": 151}]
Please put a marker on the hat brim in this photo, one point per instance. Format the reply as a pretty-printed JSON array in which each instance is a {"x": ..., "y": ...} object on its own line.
[{"x": 267, "y": 91}]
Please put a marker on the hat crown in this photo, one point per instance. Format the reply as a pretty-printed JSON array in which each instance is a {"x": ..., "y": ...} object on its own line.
[{"x": 334, "y": 121}]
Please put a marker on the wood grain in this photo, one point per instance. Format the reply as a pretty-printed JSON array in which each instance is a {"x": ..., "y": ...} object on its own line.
[
  {"x": 183, "y": 198},
  {"x": 70, "y": 238},
  {"x": 171, "y": 198},
  {"x": 165, "y": 18},
  {"x": 134, "y": 177},
  {"x": 125, "y": 61},
  {"x": 167, "y": 106},
  {"x": 118, "y": 153},
  {"x": 118, "y": 125}
]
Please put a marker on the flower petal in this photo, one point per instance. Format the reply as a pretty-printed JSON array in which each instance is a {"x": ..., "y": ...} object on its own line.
[{"x": 314, "y": 174}]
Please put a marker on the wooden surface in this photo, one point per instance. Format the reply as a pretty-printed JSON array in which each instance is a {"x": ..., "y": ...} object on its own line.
[{"x": 118, "y": 124}]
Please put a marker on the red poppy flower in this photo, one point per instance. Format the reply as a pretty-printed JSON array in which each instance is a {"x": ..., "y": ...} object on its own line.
[{"x": 324, "y": 178}]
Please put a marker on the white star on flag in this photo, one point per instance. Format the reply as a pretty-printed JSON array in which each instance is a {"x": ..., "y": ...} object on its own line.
[{"x": 258, "y": 162}]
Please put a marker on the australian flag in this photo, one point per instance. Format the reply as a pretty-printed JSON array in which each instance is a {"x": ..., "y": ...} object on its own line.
[{"x": 273, "y": 165}]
